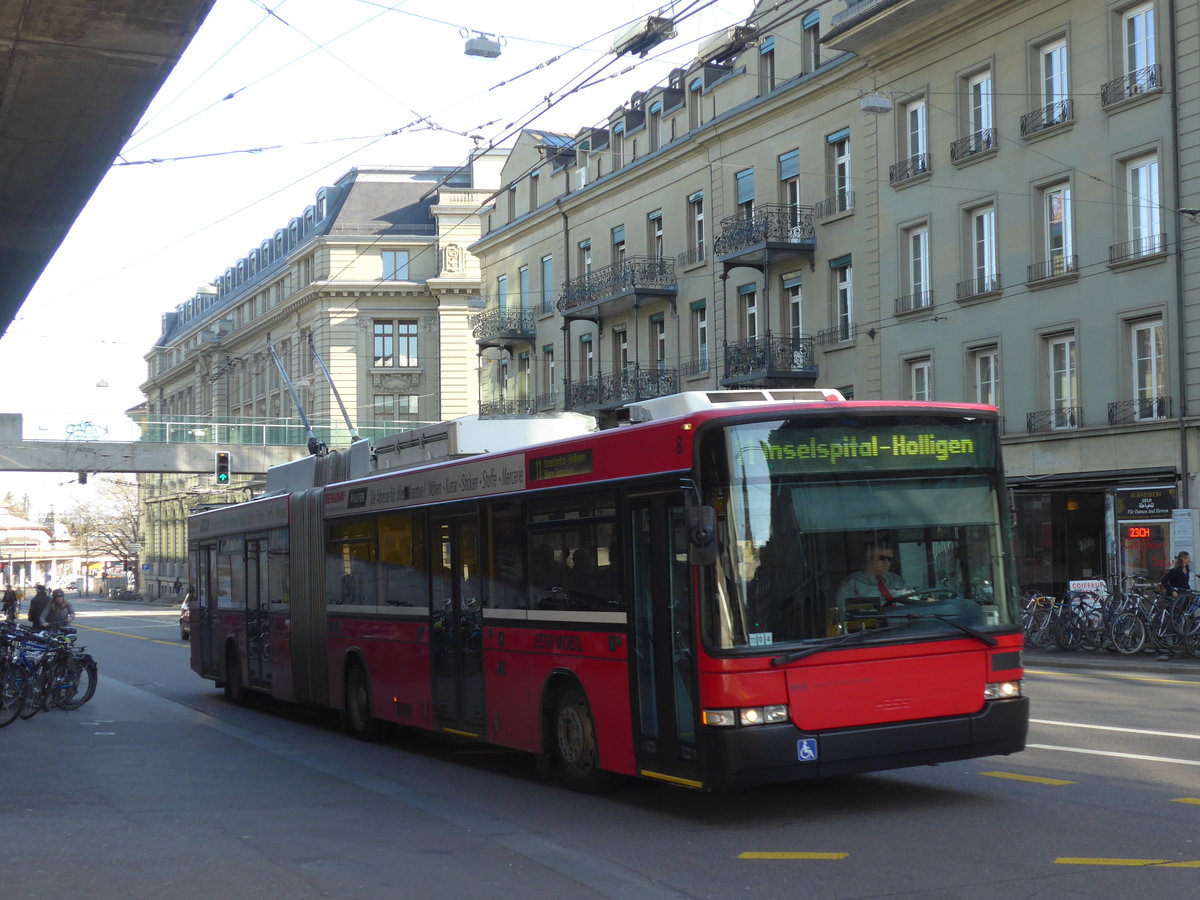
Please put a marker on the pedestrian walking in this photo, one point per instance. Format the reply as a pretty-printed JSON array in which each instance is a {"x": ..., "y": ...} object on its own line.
[
  {"x": 10, "y": 603},
  {"x": 37, "y": 606}
]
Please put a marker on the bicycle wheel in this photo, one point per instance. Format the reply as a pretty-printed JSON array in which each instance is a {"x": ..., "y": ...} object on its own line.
[
  {"x": 33, "y": 695},
  {"x": 1128, "y": 633},
  {"x": 74, "y": 683},
  {"x": 1069, "y": 634},
  {"x": 12, "y": 689},
  {"x": 1191, "y": 642}
]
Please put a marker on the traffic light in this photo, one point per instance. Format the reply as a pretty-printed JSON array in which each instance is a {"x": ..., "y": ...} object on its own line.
[{"x": 221, "y": 469}]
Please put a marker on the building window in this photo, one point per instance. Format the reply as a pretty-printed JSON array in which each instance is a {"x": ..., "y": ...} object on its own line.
[
  {"x": 789, "y": 184},
  {"x": 843, "y": 301},
  {"x": 1053, "y": 88},
  {"x": 810, "y": 42},
  {"x": 795, "y": 313},
  {"x": 533, "y": 191},
  {"x": 917, "y": 275},
  {"x": 980, "y": 241},
  {"x": 980, "y": 116},
  {"x": 696, "y": 225},
  {"x": 587, "y": 357},
  {"x": 395, "y": 343},
  {"x": 585, "y": 257},
  {"x": 1056, "y": 223},
  {"x": 502, "y": 292},
  {"x": 1144, "y": 208},
  {"x": 620, "y": 349},
  {"x": 654, "y": 229},
  {"x": 654, "y": 126},
  {"x": 916, "y": 137},
  {"x": 618, "y": 146},
  {"x": 766, "y": 66},
  {"x": 744, "y": 192},
  {"x": 694, "y": 99},
  {"x": 618, "y": 244},
  {"x": 395, "y": 265},
  {"x": 1137, "y": 30},
  {"x": 1064, "y": 388},
  {"x": 700, "y": 335},
  {"x": 395, "y": 407},
  {"x": 985, "y": 366},
  {"x": 1148, "y": 354},
  {"x": 512, "y": 202},
  {"x": 547, "y": 284},
  {"x": 841, "y": 197},
  {"x": 920, "y": 379},
  {"x": 548, "y": 370},
  {"x": 523, "y": 287},
  {"x": 748, "y": 295},
  {"x": 658, "y": 340}
]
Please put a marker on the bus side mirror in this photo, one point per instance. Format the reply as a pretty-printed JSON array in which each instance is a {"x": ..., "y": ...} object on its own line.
[{"x": 702, "y": 535}]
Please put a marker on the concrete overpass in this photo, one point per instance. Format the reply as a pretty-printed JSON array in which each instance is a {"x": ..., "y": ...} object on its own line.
[
  {"x": 75, "y": 78},
  {"x": 103, "y": 457}
]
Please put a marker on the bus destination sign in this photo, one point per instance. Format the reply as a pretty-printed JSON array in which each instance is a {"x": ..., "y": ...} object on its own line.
[
  {"x": 863, "y": 448},
  {"x": 561, "y": 465}
]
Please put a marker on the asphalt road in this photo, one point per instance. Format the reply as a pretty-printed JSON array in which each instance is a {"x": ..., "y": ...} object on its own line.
[{"x": 158, "y": 788}]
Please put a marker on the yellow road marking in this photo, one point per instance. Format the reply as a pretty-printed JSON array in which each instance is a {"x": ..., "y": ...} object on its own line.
[
  {"x": 755, "y": 854},
  {"x": 1107, "y": 675},
  {"x": 136, "y": 637},
  {"x": 672, "y": 779},
  {"x": 1034, "y": 778},
  {"x": 1195, "y": 800},
  {"x": 1103, "y": 861}
]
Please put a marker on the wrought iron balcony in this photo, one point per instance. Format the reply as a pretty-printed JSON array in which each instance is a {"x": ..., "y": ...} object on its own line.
[
  {"x": 633, "y": 275},
  {"x": 913, "y": 302},
  {"x": 499, "y": 326},
  {"x": 523, "y": 406},
  {"x": 615, "y": 389},
  {"x": 691, "y": 256},
  {"x": 1150, "y": 245},
  {"x": 909, "y": 168},
  {"x": 698, "y": 365},
  {"x": 838, "y": 334},
  {"x": 1144, "y": 409},
  {"x": 1142, "y": 81},
  {"x": 842, "y": 201},
  {"x": 1056, "y": 113},
  {"x": 1062, "y": 419},
  {"x": 772, "y": 226},
  {"x": 973, "y": 144},
  {"x": 978, "y": 286},
  {"x": 1055, "y": 267},
  {"x": 773, "y": 357}
]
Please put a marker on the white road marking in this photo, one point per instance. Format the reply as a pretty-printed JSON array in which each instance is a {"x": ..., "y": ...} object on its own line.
[
  {"x": 1171, "y": 734},
  {"x": 1138, "y": 756}
]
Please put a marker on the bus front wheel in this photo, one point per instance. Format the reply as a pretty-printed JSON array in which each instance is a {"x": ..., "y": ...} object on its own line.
[
  {"x": 576, "y": 747},
  {"x": 234, "y": 690},
  {"x": 359, "y": 721}
]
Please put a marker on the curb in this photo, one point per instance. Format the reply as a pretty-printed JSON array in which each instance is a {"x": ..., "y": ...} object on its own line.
[{"x": 1111, "y": 662}]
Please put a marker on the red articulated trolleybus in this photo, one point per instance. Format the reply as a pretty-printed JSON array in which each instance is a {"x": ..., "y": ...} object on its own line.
[{"x": 742, "y": 587}]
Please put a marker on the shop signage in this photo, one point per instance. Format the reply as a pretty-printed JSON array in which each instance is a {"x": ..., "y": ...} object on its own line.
[{"x": 1145, "y": 503}]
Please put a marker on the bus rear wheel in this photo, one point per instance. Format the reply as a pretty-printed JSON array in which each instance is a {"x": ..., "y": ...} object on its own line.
[
  {"x": 576, "y": 747},
  {"x": 235, "y": 692},
  {"x": 359, "y": 721}
]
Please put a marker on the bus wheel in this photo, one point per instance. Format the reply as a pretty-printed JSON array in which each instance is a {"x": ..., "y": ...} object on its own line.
[
  {"x": 576, "y": 747},
  {"x": 358, "y": 705},
  {"x": 234, "y": 691}
]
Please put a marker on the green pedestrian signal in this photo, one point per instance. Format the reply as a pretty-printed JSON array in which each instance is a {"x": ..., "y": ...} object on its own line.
[{"x": 221, "y": 468}]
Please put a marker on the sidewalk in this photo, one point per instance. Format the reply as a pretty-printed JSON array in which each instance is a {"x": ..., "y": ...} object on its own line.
[{"x": 1054, "y": 658}]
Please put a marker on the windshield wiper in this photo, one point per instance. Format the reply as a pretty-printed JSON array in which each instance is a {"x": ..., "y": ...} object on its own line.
[
  {"x": 965, "y": 629},
  {"x": 853, "y": 637}
]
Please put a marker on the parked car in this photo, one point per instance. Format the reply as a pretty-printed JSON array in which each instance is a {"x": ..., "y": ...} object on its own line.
[{"x": 185, "y": 621}]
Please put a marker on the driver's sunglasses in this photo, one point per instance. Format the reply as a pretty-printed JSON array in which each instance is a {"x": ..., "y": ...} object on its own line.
[{"x": 884, "y": 558}]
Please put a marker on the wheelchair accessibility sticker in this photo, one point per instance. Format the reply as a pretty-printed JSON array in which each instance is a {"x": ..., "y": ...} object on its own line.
[{"x": 806, "y": 749}]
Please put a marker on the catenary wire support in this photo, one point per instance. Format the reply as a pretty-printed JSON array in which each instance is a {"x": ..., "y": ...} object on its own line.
[
  {"x": 315, "y": 447},
  {"x": 333, "y": 387}
]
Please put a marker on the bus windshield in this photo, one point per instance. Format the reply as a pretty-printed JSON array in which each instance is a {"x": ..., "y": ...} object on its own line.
[{"x": 859, "y": 524}]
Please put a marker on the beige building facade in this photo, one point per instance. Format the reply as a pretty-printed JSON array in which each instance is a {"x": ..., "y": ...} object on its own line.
[
  {"x": 361, "y": 299},
  {"x": 980, "y": 201}
]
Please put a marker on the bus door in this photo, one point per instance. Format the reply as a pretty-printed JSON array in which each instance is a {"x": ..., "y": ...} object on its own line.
[
  {"x": 456, "y": 625},
  {"x": 258, "y": 614},
  {"x": 207, "y": 634},
  {"x": 663, "y": 661}
]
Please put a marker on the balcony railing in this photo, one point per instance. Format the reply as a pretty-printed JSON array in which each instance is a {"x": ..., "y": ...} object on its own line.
[
  {"x": 842, "y": 201},
  {"x": 912, "y": 302},
  {"x": 631, "y": 274},
  {"x": 268, "y": 431},
  {"x": 615, "y": 389},
  {"x": 1144, "y": 409},
  {"x": 909, "y": 168},
  {"x": 771, "y": 223},
  {"x": 494, "y": 323},
  {"x": 772, "y": 356},
  {"x": 691, "y": 256},
  {"x": 1055, "y": 267},
  {"x": 1150, "y": 245},
  {"x": 978, "y": 286},
  {"x": 1048, "y": 116},
  {"x": 973, "y": 144},
  {"x": 838, "y": 334},
  {"x": 1061, "y": 419},
  {"x": 1142, "y": 81},
  {"x": 696, "y": 366},
  {"x": 522, "y": 406}
]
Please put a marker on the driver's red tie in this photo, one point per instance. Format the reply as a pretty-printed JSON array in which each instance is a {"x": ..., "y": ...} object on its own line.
[{"x": 883, "y": 591}]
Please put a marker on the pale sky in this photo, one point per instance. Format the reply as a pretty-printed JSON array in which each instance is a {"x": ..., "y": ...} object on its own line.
[{"x": 325, "y": 81}]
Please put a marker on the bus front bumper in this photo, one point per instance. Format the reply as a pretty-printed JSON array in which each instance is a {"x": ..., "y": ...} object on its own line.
[{"x": 767, "y": 754}]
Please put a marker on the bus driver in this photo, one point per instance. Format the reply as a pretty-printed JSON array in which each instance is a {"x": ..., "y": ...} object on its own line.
[{"x": 876, "y": 580}]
